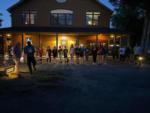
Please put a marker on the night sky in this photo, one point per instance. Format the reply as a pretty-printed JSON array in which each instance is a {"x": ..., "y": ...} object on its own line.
[{"x": 5, "y": 4}]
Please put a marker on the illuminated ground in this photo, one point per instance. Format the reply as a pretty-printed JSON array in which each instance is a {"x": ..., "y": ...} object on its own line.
[{"x": 78, "y": 89}]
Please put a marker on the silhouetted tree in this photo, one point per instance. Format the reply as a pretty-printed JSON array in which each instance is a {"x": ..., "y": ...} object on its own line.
[
  {"x": 142, "y": 9},
  {"x": 0, "y": 20}
]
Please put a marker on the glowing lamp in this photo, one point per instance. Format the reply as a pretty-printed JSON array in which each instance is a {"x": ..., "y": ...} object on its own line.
[{"x": 140, "y": 58}]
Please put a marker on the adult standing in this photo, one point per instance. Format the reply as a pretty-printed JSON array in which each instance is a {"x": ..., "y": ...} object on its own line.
[
  {"x": 48, "y": 54},
  {"x": 65, "y": 51},
  {"x": 86, "y": 54},
  {"x": 101, "y": 54},
  {"x": 94, "y": 54},
  {"x": 115, "y": 53},
  {"x": 29, "y": 50},
  {"x": 17, "y": 56},
  {"x": 55, "y": 53},
  {"x": 122, "y": 53},
  {"x": 60, "y": 51},
  {"x": 77, "y": 52},
  {"x": 72, "y": 54},
  {"x": 128, "y": 54},
  {"x": 40, "y": 51},
  {"x": 82, "y": 54}
]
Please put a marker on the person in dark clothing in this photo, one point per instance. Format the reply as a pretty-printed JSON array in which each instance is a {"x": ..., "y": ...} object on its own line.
[
  {"x": 29, "y": 50},
  {"x": 115, "y": 53},
  {"x": 128, "y": 54},
  {"x": 55, "y": 52},
  {"x": 87, "y": 54},
  {"x": 65, "y": 51},
  {"x": 94, "y": 54},
  {"x": 77, "y": 52},
  {"x": 48, "y": 54}
]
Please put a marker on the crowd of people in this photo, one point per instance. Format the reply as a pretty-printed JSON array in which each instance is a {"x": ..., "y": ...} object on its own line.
[{"x": 75, "y": 54}]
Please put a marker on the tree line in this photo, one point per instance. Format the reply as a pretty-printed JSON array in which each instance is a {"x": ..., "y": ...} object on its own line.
[{"x": 133, "y": 16}]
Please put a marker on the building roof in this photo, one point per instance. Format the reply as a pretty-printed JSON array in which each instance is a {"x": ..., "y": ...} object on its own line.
[
  {"x": 23, "y": 1},
  {"x": 61, "y": 30}
]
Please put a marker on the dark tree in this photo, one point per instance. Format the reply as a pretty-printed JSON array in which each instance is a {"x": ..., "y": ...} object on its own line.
[
  {"x": 0, "y": 20},
  {"x": 142, "y": 10}
]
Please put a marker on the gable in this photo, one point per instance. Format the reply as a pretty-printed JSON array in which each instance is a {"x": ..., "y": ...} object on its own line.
[{"x": 21, "y": 2}]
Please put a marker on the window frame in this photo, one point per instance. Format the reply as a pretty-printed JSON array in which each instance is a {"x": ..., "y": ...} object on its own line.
[
  {"x": 29, "y": 13},
  {"x": 93, "y": 14},
  {"x": 66, "y": 14}
]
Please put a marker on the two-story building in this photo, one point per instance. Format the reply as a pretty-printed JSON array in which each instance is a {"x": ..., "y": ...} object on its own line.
[{"x": 60, "y": 23}]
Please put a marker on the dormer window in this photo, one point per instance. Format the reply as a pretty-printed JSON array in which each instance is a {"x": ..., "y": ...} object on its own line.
[
  {"x": 61, "y": 17},
  {"x": 29, "y": 17},
  {"x": 92, "y": 18}
]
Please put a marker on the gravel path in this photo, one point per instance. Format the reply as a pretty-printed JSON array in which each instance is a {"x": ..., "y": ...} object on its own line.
[{"x": 85, "y": 89}]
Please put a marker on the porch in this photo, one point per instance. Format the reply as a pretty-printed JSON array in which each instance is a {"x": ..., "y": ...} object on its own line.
[{"x": 42, "y": 37}]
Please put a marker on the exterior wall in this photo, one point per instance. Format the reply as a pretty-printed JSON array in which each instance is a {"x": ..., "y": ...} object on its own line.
[{"x": 79, "y": 7}]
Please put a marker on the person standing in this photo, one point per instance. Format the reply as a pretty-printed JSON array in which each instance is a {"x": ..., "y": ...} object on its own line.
[
  {"x": 65, "y": 51},
  {"x": 48, "y": 54},
  {"x": 72, "y": 54},
  {"x": 77, "y": 52},
  {"x": 128, "y": 54},
  {"x": 115, "y": 53},
  {"x": 17, "y": 56},
  {"x": 86, "y": 54},
  {"x": 60, "y": 51},
  {"x": 55, "y": 53},
  {"x": 94, "y": 54},
  {"x": 101, "y": 54},
  {"x": 122, "y": 53},
  {"x": 29, "y": 50},
  {"x": 81, "y": 54},
  {"x": 40, "y": 51}
]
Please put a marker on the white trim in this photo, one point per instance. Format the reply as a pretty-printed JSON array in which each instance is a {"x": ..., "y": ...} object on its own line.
[{"x": 62, "y": 11}]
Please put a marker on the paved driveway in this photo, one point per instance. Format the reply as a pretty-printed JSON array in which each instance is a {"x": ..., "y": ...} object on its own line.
[{"x": 86, "y": 89}]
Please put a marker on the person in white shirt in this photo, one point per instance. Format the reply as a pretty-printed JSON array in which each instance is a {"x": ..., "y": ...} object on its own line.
[
  {"x": 122, "y": 53},
  {"x": 72, "y": 54}
]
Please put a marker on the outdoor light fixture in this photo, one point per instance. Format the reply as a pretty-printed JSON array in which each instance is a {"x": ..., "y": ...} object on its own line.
[
  {"x": 112, "y": 36},
  {"x": 111, "y": 45},
  {"x": 64, "y": 38},
  {"x": 89, "y": 22},
  {"x": 8, "y": 35},
  {"x": 140, "y": 58},
  {"x": 140, "y": 61}
]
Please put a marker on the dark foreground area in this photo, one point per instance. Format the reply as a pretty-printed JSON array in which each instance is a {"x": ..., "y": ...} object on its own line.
[{"x": 59, "y": 88}]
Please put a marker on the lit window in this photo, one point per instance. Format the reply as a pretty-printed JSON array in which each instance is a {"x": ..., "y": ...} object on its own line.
[
  {"x": 29, "y": 17},
  {"x": 92, "y": 18}
]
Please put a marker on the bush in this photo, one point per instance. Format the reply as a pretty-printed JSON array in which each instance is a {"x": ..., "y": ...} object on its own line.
[{"x": 148, "y": 59}]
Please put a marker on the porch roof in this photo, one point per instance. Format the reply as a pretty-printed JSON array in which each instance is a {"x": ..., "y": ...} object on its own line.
[{"x": 62, "y": 30}]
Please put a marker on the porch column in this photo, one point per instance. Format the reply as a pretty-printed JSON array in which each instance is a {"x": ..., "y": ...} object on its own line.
[
  {"x": 57, "y": 40},
  {"x": 114, "y": 41},
  {"x": 22, "y": 45},
  {"x": 120, "y": 41},
  {"x": 77, "y": 40}
]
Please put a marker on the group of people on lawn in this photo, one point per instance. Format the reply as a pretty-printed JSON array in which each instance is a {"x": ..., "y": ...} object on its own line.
[{"x": 77, "y": 54}]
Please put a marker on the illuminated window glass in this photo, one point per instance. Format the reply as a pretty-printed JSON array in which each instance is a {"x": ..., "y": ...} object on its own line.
[
  {"x": 92, "y": 18},
  {"x": 29, "y": 17}
]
